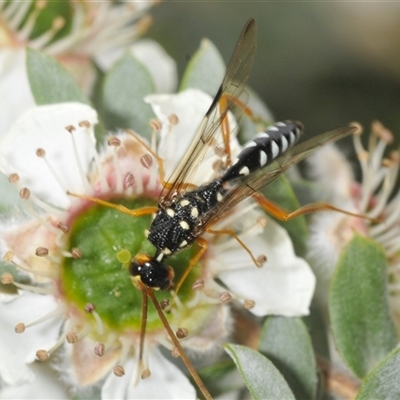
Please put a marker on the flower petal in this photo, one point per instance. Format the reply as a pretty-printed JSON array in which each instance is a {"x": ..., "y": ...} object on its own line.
[
  {"x": 21, "y": 350},
  {"x": 15, "y": 94},
  {"x": 166, "y": 382},
  {"x": 283, "y": 286},
  {"x": 190, "y": 107},
  {"x": 44, "y": 127},
  {"x": 46, "y": 385}
]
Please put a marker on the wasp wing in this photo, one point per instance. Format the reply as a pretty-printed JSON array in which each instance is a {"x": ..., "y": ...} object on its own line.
[
  {"x": 232, "y": 86},
  {"x": 254, "y": 182}
]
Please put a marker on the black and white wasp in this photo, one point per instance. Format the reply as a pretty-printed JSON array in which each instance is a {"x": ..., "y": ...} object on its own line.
[{"x": 185, "y": 213}]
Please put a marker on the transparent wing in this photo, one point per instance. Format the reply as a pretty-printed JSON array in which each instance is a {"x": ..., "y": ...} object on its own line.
[
  {"x": 232, "y": 86},
  {"x": 254, "y": 182}
]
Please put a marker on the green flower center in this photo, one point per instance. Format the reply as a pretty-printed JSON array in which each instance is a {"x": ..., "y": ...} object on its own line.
[{"x": 99, "y": 279}]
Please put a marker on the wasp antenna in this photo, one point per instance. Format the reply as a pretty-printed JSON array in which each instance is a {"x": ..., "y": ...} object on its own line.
[
  {"x": 179, "y": 348},
  {"x": 145, "y": 303}
]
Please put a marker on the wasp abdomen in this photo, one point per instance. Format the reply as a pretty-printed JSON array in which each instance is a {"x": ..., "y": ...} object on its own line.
[{"x": 264, "y": 149}]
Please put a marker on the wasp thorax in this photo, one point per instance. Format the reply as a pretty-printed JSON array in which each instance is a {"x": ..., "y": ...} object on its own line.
[{"x": 152, "y": 273}]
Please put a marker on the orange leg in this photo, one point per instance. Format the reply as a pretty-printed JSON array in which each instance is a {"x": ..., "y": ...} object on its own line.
[
  {"x": 283, "y": 215},
  {"x": 224, "y": 105},
  {"x": 232, "y": 233},
  {"x": 203, "y": 247},
  {"x": 135, "y": 213}
]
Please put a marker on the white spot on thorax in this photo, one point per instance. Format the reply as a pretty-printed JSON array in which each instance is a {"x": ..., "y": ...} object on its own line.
[
  {"x": 184, "y": 225},
  {"x": 263, "y": 158},
  {"x": 194, "y": 212},
  {"x": 170, "y": 212}
]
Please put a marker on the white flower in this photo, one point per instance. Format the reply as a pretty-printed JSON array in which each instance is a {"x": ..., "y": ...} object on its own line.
[
  {"x": 376, "y": 197},
  {"x": 71, "y": 251},
  {"x": 92, "y": 31}
]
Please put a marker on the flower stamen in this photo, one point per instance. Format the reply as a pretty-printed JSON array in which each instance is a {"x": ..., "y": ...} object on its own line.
[
  {"x": 115, "y": 143},
  {"x": 84, "y": 179}
]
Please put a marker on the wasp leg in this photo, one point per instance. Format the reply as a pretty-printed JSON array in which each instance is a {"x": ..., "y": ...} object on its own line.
[
  {"x": 226, "y": 133},
  {"x": 203, "y": 247},
  {"x": 178, "y": 346},
  {"x": 283, "y": 215},
  {"x": 135, "y": 213},
  {"x": 232, "y": 233}
]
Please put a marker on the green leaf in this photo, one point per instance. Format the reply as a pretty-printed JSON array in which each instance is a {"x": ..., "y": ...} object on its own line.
[
  {"x": 286, "y": 342},
  {"x": 383, "y": 382},
  {"x": 358, "y": 301},
  {"x": 261, "y": 377},
  {"x": 281, "y": 193},
  {"x": 205, "y": 70},
  {"x": 50, "y": 83},
  {"x": 221, "y": 378},
  {"x": 125, "y": 86}
]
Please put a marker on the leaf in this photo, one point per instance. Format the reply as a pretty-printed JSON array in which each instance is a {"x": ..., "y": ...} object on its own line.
[
  {"x": 125, "y": 86},
  {"x": 205, "y": 70},
  {"x": 221, "y": 378},
  {"x": 261, "y": 377},
  {"x": 282, "y": 194},
  {"x": 286, "y": 342},
  {"x": 383, "y": 382},
  {"x": 50, "y": 83},
  {"x": 361, "y": 321}
]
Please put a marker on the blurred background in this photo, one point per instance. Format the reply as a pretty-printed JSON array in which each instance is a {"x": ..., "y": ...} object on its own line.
[{"x": 323, "y": 63}]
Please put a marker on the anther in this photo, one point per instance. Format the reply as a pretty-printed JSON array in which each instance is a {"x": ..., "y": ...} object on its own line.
[
  {"x": 129, "y": 180},
  {"x": 155, "y": 124},
  {"x": 217, "y": 165},
  {"x": 119, "y": 370},
  {"x": 181, "y": 333},
  {"x": 219, "y": 151},
  {"x": 261, "y": 260},
  {"x": 359, "y": 128},
  {"x": 175, "y": 353},
  {"x": 387, "y": 163},
  {"x": 145, "y": 373},
  {"x": 76, "y": 253},
  {"x": 70, "y": 128},
  {"x": 84, "y": 124},
  {"x": 19, "y": 328},
  {"x": 72, "y": 337},
  {"x": 262, "y": 222},
  {"x": 99, "y": 349},
  {"x": 41, "y": 153},
  {"x": 225, "y": 297},
  {"x": 198, "y": 284},
  {"x": 173, "y": 119},
  {"x": 6, "y": 278},
  {"x": 24, "y": 193},
  {"x": 113, "y": 141},
  {"x": 381, "y": 132},
  {"x": 249, "y": 304},
  {"x": 89, "y": 307},
  {"x": 13, "y": 178},
  {"x": 42, "y": 252},
  {"x": 64, "y": 228},
  {"x": 7, "y": 258},
  {"x": 146, "y": 161},
  {"x": 42, "y": 355},
  {"x": 58, "y": 23},
  {"x": 164, "y": 304}
]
